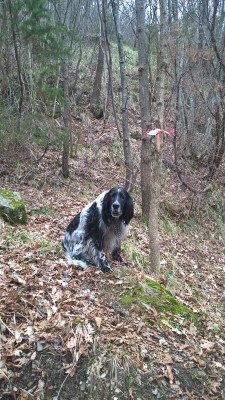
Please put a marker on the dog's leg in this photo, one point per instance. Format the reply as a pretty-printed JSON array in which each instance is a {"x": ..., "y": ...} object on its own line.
[
  {"x": 97, "y": 256},
  {"x": 77, "y": 260},
  {"x": 116, "y": 254},
  {"x": 103, "y": 262}
]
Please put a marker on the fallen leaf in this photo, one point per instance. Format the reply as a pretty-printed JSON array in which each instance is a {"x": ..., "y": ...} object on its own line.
[
  {"x": 29, "y": 330},
  {"x": 170, "y": 375},
  {"x": 33, "y": 355},
  {"x": 219, "y": 365},
  {"x": 24, "y": 395},
  {"x": 207, "y": 345},
  {"x": 167, "y": 359},
  {"x": 98, "y": 321}
]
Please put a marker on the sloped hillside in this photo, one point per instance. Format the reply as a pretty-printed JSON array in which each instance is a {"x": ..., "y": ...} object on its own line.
[{"x": 73, "y": 334}]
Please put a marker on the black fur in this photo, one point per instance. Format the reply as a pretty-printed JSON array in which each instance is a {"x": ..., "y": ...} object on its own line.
[{"x": 100, "y": 226}]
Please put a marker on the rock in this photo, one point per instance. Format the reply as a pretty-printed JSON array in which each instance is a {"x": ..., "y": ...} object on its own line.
[{"x": 12, "y": 207}]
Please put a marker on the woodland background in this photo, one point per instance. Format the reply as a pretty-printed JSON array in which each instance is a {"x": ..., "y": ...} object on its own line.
[{"x": 81, "y": 82}]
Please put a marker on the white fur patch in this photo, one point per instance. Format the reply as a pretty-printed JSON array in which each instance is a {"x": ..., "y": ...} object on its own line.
[{"x": 83, "y": 248}]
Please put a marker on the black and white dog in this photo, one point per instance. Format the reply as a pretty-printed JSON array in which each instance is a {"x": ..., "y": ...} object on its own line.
[{"x": 101, "y": 225}]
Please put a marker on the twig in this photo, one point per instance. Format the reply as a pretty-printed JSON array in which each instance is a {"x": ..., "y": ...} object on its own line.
[
  {"x": 68, "y": 184},
  {"x": 31, "y": 171},
  {"x": 6, "y": 326},
  {"x": 3, "y": 373},
  {"x": 191, "y": 206},
  {"x": 63, "y": 383},
  {"x": 131, "y": 183},
  {"x": 102, "y": 18},
  {"x": 179, "y": 174},
  {"x": 42, "y": 156}
]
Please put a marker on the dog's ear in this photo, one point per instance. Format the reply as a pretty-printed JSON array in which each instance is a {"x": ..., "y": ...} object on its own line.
[
  {"x": 106, "y": 212},
  {"x": 128, "y": 209}
]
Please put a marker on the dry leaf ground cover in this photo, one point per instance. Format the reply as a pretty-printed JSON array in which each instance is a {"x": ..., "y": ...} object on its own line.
[{"x": 73, "y": 334}]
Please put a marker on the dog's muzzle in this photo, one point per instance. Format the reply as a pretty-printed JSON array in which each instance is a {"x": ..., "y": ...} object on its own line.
[{"x": 116, "y": 210}]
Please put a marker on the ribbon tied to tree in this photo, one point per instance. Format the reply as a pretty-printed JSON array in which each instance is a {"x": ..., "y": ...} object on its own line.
[{"x": 157, "y": 132}]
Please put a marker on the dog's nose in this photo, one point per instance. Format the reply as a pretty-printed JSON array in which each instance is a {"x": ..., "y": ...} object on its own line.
[{"x": 116, "y": 206}]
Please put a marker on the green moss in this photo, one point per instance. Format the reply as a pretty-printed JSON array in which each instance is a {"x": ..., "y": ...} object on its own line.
[
  {"x": 131, "y": 295},
  {"x": 43, "y": 210},
  {"x": 50, "y": 246},
  {"x": 138, "y": 257},
  {"x": 149, "y": 293},
  {"x": 12, "y": 207},
  {"x": 135, "y": 135}
]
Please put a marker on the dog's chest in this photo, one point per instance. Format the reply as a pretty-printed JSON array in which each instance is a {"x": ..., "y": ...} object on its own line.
[{"x": 114, "y": 234}]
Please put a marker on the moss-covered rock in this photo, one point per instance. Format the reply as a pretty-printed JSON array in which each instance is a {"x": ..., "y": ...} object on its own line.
[
  {"x": 149, "y": 293},
  {"x": 12, "y": 207}
]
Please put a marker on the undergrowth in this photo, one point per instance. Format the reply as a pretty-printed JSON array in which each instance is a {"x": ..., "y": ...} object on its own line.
[
  {"x": 209, "y": 214},
  {"x": 149, "y": 294},
  {"x": 17, "y": 238}
]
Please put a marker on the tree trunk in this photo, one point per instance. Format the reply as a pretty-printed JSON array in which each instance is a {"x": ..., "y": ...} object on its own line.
[
  {"x": 203, "y": 17},
  {"x": 174, "y": 4},
  {"x": 66, "y": 120},
  {"x": 161, "y": 64},
  {"x": 124, "y": 99},
  {"x": 150, "y": 156},
  {"x": 95, "y": 103},
  {"x": 108, "y": 57},
  {"x": 18, "y": 61},
  {"x": 154, "y": 239},
  {"x": 156, "y": 159},
  {"x": 144, "y": 99},
  {"x": 219, "y": 149}
]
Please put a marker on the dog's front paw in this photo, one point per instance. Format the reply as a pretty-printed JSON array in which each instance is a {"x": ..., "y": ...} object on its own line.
[
  {"x": 104, "y": 263},
  {"x": 105, "y": 267},
  {"x": 116, "y": 255}
]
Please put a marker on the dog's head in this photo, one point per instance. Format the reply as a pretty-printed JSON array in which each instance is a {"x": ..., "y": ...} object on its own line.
[{"x": 117, "y": 203}]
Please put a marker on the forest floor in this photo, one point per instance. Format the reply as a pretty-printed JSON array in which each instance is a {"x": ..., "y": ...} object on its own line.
[{"x": 71, "y": 334}]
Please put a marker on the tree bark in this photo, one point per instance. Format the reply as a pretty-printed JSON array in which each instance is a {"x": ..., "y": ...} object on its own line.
[
  {"x": 161, "y": 64},
  {"x": 108, "y": 58},
  {"x": 150, "y": 155},
  {"x": 154, "y": 238},
  {"x": 95, "y": 103},
  {"x": 66, "y": 120},
  {"x": 144, "y": 99},
  {"x": 18, "y": 62},
  {"x": 124, "y": 97}
]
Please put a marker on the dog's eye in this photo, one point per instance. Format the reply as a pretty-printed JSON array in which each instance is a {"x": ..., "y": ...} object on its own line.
[{"x": 123, "y": 197}]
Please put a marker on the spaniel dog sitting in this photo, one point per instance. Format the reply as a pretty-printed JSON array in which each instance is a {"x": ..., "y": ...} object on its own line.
[{"x": 101, "y": 225}]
